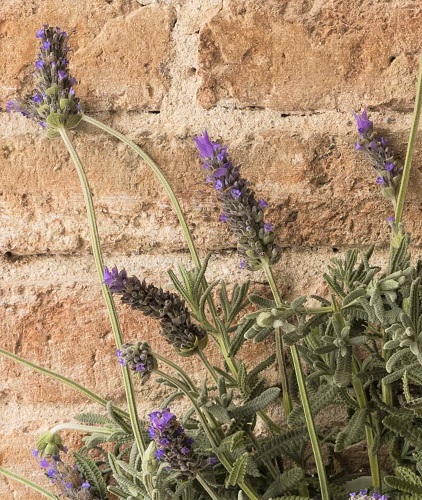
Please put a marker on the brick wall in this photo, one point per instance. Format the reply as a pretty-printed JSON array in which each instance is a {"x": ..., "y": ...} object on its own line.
[{"x": 277, "y": 80}]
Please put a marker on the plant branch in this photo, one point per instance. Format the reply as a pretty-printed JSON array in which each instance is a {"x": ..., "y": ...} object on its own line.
[
  {"x": 28, "y": 483},
  {"x": 71, "y": 383}
]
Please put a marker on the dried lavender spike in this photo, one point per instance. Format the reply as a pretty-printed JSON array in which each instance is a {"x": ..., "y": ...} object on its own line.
[
  {"x": 173, "y": 446},
  {"x": 138, "y": 357},
  {"x": 53, "y": 103},
  {"x": 242, "y": 212},
  {"x": 170, "y": 309},
  {"x": 380, "y": 155}
]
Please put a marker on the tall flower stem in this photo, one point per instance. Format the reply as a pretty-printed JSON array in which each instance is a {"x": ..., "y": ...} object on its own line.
[
  {"x": 188, "y": 236},
  {"x": 310, "y": 424},
  {"x": 96, "y": 248},
  {"x": 28, "y": 483},
  {"x": 410, "y": 148},
  {"x": 67, "y": 381},
  {"x": 162, "y": 178},
  {"x": 387, "y": 395}
]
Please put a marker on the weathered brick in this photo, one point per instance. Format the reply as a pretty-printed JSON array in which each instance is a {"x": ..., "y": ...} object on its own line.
[
  {"x": 320, "y": 192},
  {"x": 296, "y": 56},
  {"x": 101, "y": 32}
]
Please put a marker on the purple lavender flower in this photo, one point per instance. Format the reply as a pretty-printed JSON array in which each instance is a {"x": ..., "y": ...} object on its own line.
[
  {"x": 204, "y": 145},
  {"x": 172, "y": 312},
  {"x": 58, "y": 107},
  {"x": 242, "y": 212},
  {"x": 218, "y": 184},
  {"x": 364, "y": 124},
  {"x": 114, "y": 279},
  {"x": 390, "y": 219},
  {"x": 173, "y": 446},
  {"x": 138, "y": 357},
  {"x": 380, "y": 155}
]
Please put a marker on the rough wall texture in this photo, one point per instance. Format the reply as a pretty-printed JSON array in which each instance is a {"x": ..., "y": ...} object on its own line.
[{"x": 276, "y": 79}]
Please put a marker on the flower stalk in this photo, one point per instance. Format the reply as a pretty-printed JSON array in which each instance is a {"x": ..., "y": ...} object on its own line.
[
  {"x": 30, "y": 484},
  {"x": 64, "y": 380},
  {"x": 96, "y": 247}
]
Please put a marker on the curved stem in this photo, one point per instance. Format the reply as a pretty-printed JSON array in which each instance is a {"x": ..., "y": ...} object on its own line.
[
  {"x": 310, "y": 424},
  {"x": 410, "y": 148},
  {"x": 207, "y": 365},
  {"x": 71, "y": 383},
  {"x": 177, "y": 369},
  {"x": 80, "y": 428},
  {"x": 27, "y": 482},
  {"x": 150, "y": 162},
  {"x": 96, "y": 248}
]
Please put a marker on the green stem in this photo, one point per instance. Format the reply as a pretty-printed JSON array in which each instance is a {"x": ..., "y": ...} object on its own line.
[
  {"x": 363, "y": 404},
  {"x": 27, "y": 482},
  {"x": 81, "y": 428},
  {"x": 206, "y": 486},
  {"x": 287, "y": 401},
  {"x": 96, "y": 248},
  {"x": 177, "y": 369},
  {"x": 387, "y": 394},
  {"x": 207, "y": 365},
  {"x": 162, "y": 178},
  {"x": 410, "y": 149},
  {"x": 310, "y": 424},
  {"x": 71, "y": 383}
]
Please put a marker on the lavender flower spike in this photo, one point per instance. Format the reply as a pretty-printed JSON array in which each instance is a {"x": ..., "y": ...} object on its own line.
[
  {"x": 68, "y": 479},
  {"x": 242, "y": 212},
  {"x": 173, "y": 446},
  {"x": 364, "y": 124},
  {"x": 380, "y": 155},
  {"x": 169, "y": 308},
  {"x": 138, "y": 357},
  {"x": 53, "y": 103}
]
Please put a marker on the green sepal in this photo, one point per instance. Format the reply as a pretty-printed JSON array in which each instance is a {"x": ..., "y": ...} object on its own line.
[
  {"x": 55, "y": 120},
  {"x": 52, "y": 133},
  {"x": 51, "y": 91},
  {"x": 72, "y": 121},
  {"x": 49, "y": 444},
  {"x": 65, "y": 103},
  {"x": 43, "y": 110}
]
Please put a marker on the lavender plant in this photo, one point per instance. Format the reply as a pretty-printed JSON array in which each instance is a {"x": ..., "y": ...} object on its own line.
[{"x": 360, "y": 349}]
